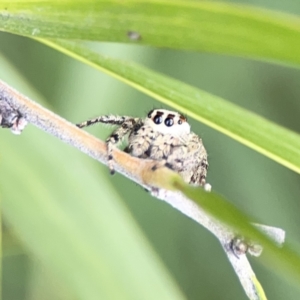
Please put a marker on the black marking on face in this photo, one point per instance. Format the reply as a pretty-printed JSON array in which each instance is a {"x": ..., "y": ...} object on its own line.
[
  {"x": 150, "y": 113},
  {"x": 169, "y": 121}
]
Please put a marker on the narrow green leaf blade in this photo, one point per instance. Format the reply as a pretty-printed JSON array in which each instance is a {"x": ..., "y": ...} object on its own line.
[
  {"x": 198, "y": 26},
  {"x": 282, "y": 260},
  {"x": 80, "y": 232},
  {"x": 274, "y": 141}
]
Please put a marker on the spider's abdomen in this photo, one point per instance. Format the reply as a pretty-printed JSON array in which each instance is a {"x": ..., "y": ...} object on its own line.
[
  {"x": 184, "y": 154},
  {"x": 139, "y": 141}
]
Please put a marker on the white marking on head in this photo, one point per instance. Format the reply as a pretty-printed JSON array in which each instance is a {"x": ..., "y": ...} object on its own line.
[{"x": 168, "y": 122}]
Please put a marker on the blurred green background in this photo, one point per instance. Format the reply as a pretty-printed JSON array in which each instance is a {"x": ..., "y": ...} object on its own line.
[{"x": 255, "y": 184}]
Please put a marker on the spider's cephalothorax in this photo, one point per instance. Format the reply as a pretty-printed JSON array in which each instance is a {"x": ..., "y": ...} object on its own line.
[{"x": 164, "y": 136}]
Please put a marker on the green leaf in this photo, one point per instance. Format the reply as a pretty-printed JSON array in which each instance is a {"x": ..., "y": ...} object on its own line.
[
  {"x": 274, "y": 141},
  {"x": 199, "y": 26},
  {"x": 72, "y": 221},
  {"x": 270, "y": 139},
  {"x": 283, "y": 260},
  {"x": 82, "y": 233}
]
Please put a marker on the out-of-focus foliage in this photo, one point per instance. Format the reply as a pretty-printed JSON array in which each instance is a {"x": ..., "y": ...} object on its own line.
[
  {"x": 257, "y": 185},
  {"x": 194, "y": 25}
]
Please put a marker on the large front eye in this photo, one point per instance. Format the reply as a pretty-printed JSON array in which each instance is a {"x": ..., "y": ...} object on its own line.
[
  {"x": 169, "y": 122},
  {"x": 157, "y": 119}
]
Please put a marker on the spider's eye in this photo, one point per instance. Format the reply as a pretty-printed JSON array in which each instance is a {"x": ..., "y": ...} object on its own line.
[
  {"x": 179, "y": 122},
  {"x": 157, "y": 119},
  {"x": 169, "y": 122}
]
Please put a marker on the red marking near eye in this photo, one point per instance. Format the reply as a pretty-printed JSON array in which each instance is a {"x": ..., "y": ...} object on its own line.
[
  {"x": 183, "y": 118},
  {"x": 159, "y": 113},
  {"x": 171, "y": 116}
]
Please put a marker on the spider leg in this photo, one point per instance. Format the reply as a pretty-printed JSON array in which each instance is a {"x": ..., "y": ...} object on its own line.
[
  {"x": 126, "y": 124},
  {"x": 113, "y": 120},
  {"x": 113, "y": 140}
]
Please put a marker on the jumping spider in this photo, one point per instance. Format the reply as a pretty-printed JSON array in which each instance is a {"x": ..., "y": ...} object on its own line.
[{"x": 164, "y": 136}]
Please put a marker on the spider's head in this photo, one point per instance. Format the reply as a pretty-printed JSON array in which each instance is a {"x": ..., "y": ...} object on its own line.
[{"x": 168, "y": 122}]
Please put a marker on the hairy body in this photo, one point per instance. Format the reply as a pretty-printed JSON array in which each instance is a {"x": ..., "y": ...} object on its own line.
[{"x": 164, "y": 136}]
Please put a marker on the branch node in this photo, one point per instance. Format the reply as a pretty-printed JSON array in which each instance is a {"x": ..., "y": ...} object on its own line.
[{"x": 11, "y": 118}]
